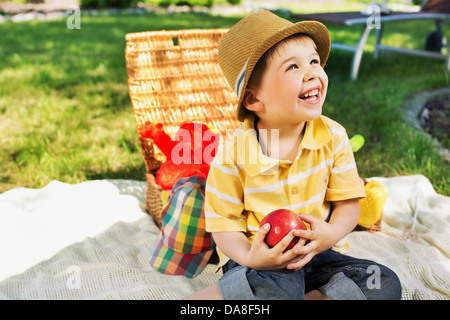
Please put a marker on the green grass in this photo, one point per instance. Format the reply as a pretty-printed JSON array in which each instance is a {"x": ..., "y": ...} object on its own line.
[{"x": 65, "y": 112}]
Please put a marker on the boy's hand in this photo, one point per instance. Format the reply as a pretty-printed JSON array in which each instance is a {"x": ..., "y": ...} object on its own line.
[
  {"x": 261, "y": 257},
  {"x": 316, "y": 235},
  {"x": 323, "y": 235}
]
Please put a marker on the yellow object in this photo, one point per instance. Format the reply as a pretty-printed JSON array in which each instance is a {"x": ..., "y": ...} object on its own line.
[
  {"x": 371, "y": 207},
  {"x": 357, "y": 142},
  {"x": 342, "y": 246},
  {"x": 164, "y": 195}
]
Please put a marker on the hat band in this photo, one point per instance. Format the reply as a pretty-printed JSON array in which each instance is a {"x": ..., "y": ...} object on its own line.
[{"x": 240, "y": 80}]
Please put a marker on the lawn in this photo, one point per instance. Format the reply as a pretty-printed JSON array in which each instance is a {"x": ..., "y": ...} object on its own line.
[{"x": 65, "y": 112}]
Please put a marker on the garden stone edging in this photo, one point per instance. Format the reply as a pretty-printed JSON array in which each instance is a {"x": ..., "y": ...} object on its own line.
[{"x": 413, "y": 113}]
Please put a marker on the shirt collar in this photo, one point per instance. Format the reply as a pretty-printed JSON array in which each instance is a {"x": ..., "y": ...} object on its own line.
[
  {"x": 317, "y": 134},
  {"x": 251, "y": 156}
]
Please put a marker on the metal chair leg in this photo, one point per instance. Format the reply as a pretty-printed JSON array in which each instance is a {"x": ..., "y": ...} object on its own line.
[
  {"x": 359, "y": 51},
  {"x": 378, "y": 41}
]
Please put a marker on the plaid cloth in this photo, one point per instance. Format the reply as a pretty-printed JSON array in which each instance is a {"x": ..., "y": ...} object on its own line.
[{"x": 183, "y": 246}]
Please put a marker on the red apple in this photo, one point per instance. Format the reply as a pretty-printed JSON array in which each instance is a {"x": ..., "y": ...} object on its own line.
[{"x": 281, "y": 222}]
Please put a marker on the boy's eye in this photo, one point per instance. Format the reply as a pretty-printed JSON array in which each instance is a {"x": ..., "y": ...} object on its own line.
[
  {"x": 315, "y": 61},
  {"x": 292, "y": 67}
]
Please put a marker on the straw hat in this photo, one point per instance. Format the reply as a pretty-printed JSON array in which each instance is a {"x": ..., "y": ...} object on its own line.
[{"x": 244, "y": 44}]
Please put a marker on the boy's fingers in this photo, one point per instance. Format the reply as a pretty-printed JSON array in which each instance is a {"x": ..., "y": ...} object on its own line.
[
  {"x": 299, "y": 244},
  {"x": 262, "y": 232},
  {"x": 307, "y": 248},
  {"x": 283, "y": 244},
  {"x": 300, "y": 263},
  {"x": 306, "y": 234},
  {"x": 310, "y": 219}
]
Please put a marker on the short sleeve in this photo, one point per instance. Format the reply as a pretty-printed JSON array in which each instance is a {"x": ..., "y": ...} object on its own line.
[
  {"x": 344, "y": 182},
  {"x": 224, "y": 206}
]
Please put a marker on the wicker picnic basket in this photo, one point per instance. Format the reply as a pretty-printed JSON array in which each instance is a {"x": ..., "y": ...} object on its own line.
[{"x": 174, "y": 77}]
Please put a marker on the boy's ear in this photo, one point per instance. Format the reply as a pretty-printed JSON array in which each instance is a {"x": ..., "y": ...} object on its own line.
[{"x": 251, "y": 101}]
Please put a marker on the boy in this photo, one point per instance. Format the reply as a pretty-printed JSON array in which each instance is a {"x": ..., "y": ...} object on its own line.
[{"x": 286, "y": 155}]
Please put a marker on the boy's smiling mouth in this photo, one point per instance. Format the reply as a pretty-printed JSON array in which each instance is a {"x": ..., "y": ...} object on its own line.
[{"x": 310, "y": 95}]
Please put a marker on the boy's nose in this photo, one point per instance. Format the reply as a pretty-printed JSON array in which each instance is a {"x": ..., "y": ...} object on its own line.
[{"x": 309, "y": 75}]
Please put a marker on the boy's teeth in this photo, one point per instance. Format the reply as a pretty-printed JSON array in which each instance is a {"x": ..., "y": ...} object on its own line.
[{"x": 310, "y": 93}]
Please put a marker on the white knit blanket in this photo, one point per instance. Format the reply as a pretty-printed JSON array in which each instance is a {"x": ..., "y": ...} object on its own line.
[{"x": 92, "y": 241}]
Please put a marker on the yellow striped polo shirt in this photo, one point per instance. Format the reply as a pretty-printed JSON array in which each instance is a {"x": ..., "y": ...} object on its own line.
[{"x": 244, "y": 185}]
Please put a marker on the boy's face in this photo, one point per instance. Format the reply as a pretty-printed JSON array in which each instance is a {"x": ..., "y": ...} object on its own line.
[{"x": 293, "y": 86}]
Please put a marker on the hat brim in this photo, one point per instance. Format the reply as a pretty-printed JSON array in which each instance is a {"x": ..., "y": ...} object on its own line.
[
  {"x": 314, "y": 29},
  {"x": 168, "y": 261}
]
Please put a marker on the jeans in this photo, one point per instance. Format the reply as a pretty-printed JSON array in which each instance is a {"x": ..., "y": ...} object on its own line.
[{"x": 338, "y": 276}]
